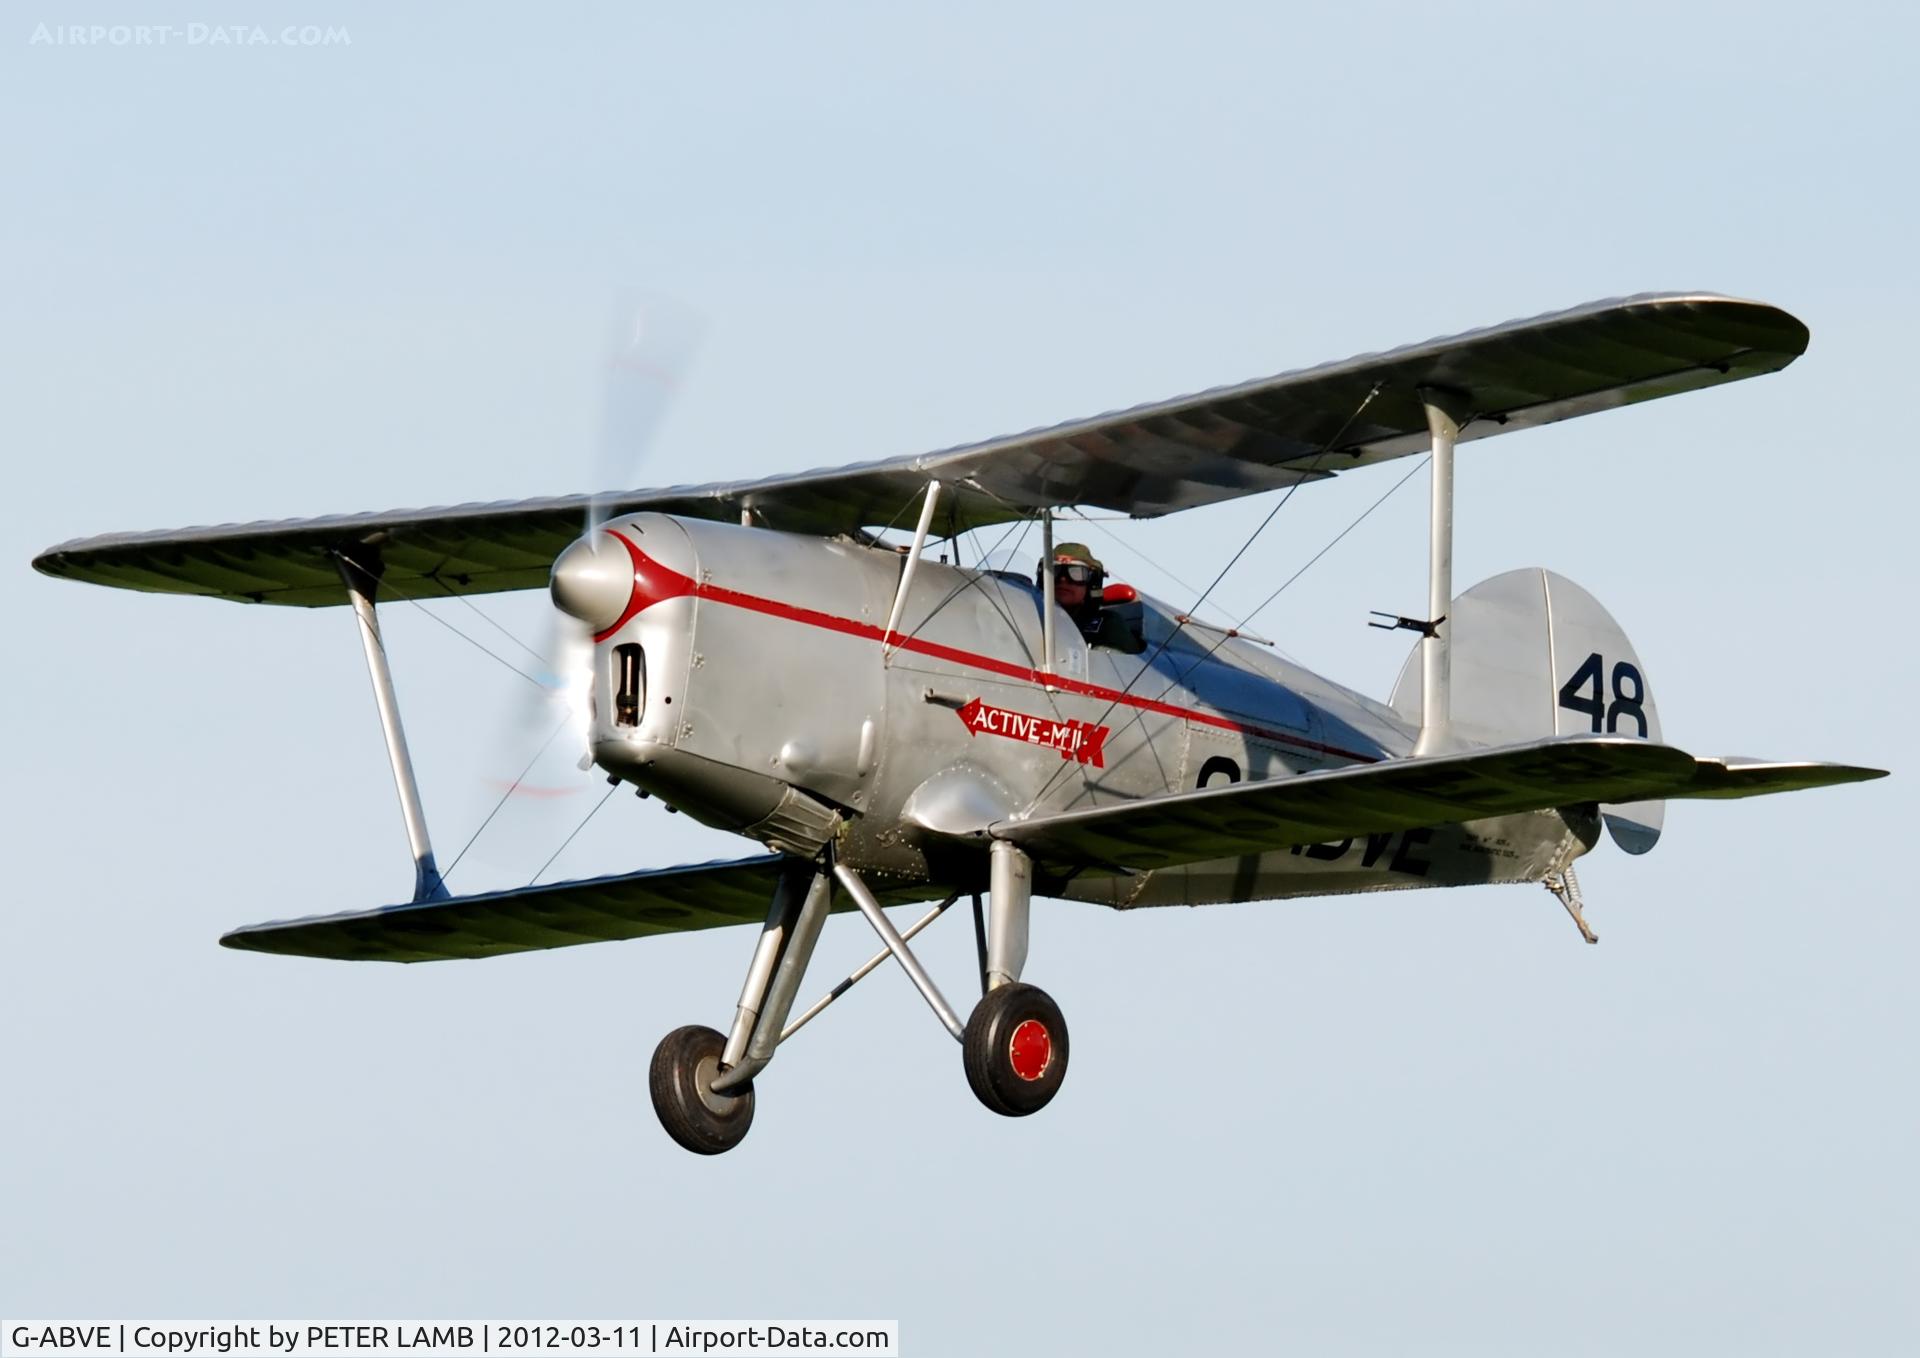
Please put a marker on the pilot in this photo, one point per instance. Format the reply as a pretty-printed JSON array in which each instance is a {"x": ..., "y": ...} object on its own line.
[{"x": 1078, "y": 578}]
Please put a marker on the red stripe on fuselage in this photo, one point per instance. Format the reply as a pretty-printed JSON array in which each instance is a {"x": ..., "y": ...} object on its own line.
[{"x": 654, "y": 582}]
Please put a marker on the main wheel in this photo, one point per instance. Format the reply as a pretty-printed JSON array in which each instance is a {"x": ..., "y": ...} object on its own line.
[
  {"x": 1015, "y": 1050},
  {"x": 685, "y": 1065}
]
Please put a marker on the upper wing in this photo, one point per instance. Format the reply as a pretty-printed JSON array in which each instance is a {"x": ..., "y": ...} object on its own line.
[
  {"x": 1151, "y": 459},
  {"x": 1401, "y": 794}
]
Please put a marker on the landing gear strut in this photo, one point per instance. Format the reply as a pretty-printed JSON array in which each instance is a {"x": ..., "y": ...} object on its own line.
[
  {"x": 1013, "y": 1045},
  {"x": 701, "y": 1082}
]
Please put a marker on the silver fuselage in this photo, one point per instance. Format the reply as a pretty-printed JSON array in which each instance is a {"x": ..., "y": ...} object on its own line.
[{"x": 770, "y": 702}]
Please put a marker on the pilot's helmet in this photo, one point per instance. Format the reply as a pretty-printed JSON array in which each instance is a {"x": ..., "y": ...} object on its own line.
[{"x": 1072, "y": 561}]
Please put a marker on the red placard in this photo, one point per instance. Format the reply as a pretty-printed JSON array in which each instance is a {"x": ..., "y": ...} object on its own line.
[{"x": 1077, "y": 740}]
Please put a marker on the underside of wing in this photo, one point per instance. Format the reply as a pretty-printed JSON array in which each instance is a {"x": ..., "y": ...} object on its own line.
[
  {"x": 1147, "y": 460},
  {"x": 1402, "y": 794},
  {"x": 596, "y": 910}
]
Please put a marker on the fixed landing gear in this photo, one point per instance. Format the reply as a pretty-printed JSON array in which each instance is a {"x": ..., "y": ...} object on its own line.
[
  {"x": 1015, "y": 1050},
  {"x": 685, "y": 1065},
  {"x": 1013, "y": 1046}
]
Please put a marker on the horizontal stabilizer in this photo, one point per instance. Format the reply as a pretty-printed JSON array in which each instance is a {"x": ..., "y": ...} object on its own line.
[
  {"x": 525, "y": 919},
  {"x": 1400, "y": 794}
]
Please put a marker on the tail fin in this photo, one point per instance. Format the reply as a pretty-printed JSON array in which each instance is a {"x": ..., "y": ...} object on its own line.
[{"x": 1535, "y": 655}]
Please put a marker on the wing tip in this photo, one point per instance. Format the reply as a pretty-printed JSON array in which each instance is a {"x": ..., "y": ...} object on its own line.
[
  {"x": 1735, "y": 777},
  {"x": 1844, "y": 773},
  {"x": 238, "y": 939},
  {"x": 52, "y": 562},
  {"x": 1858, "y": 773}
]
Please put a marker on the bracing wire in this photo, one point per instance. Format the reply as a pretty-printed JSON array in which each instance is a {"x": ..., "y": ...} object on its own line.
[
  {"x": 1121, "y": 542},
  {"x": 474, "y": 642},
  {"x": 506, "y": 796},
  {"x": 576, "y": 830},
  {"x": 494, "y": 623},
  {"x": 546, "y": 744},
  {"x": 1227, "y": 635},
  {"x": 1335, "y": 542},
  {"x": 972, "y": 580},
  {"x": 1181, "y": 622}
]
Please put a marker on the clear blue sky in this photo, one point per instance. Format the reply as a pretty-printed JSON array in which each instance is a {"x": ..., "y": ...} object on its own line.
[{"x": 252, "y": 282}]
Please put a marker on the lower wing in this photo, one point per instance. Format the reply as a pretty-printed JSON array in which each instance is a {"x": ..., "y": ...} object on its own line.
[
  {"x": 1404, "y": 794},
  {"x": 596, "y": 910},
  {"x": 1160, "y": 832}
]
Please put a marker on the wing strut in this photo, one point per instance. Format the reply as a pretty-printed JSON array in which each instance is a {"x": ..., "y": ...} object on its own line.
[
  {"x": 1047, "y": 586},
  {"x": 888, "y": 638},
  {"x": 1443, "y": 414},
  {"x": 362, "y": 584}
]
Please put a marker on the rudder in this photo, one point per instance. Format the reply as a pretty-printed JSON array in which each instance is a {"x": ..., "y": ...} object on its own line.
[{"x": 1535, "y": 655}]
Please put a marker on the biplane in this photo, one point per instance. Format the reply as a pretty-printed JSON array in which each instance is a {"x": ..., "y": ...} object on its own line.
[{"x": 890, "y": 728}]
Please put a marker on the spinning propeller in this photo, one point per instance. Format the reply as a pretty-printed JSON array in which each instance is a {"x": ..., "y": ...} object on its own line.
[{"x": 650, "y": 342}]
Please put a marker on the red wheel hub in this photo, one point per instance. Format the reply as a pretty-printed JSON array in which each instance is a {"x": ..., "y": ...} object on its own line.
[{"x": 1030, "y": 1050}]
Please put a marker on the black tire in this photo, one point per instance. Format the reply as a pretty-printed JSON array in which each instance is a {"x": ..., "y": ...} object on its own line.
[
  {"x": 680, "y": 1079},
  {"x": 1015, "y": 1050}
]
